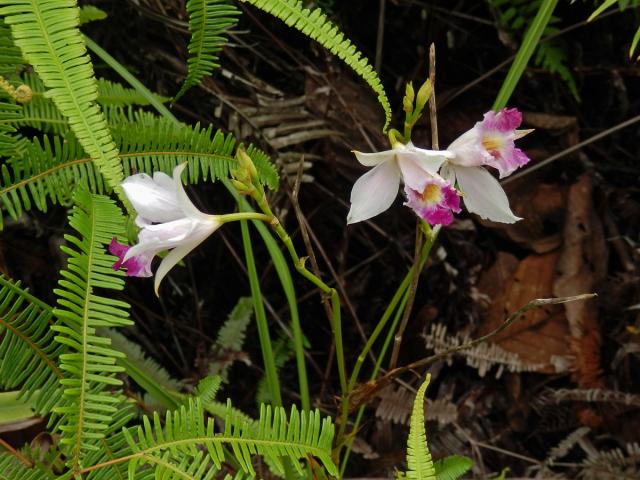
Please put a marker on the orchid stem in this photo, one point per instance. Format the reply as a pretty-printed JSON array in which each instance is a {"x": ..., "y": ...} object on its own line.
[
  {"x": 299, "y": 264},
  {"x": 232, "y": 217}
]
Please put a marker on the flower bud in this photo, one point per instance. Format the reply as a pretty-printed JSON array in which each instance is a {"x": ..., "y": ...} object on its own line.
[
  {"x": 247, "y": 165},
  {"x": 423, "y": 94}
]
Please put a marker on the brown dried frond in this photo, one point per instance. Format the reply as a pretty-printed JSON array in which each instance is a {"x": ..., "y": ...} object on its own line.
[
  {"x": 613, "y": 464},
  {"x": 396, "y": 404},
  {"x": 481, "y": 357}
]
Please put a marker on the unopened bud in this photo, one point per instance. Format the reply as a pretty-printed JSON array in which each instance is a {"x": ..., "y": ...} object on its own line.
[
  {"x": 247, "y": 164},
  {"x": 409, "y": 93},
  {"x": 423, "y": 94}
]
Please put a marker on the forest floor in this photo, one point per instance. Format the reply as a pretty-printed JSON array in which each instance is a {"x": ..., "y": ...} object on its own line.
[{"x": 559, "y": 385}]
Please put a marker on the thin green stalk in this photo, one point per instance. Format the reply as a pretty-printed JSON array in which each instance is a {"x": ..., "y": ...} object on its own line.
[
  {"x": 282, "y": 269},
  {"x": 336, "y": 317},
  {"x": 261, "y": 318},
  {"x": 130, "y": 79},
  {"x": 529, "y": 44},
  {"x": 400, "y": 296},
  {"x": 232, "y": 217}
]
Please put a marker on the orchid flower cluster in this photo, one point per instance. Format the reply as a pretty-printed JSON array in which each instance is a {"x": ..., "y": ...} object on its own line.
[
  {"x": 168, "y": 220},
  {"x": 430, "y": 176}
]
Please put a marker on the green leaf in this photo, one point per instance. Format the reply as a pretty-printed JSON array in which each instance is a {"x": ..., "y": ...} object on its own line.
[
  {"x": 14, "y": 408},
  {"x": 452, "y": 467},
  {"x": 529, "y": 44},
  {"x": 91, "y": 13}
]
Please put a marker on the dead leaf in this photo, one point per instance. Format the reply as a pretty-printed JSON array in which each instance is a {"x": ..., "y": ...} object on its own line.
[
  {"x": 582, "y": 266},
  {"x": 540, "y": 336}
]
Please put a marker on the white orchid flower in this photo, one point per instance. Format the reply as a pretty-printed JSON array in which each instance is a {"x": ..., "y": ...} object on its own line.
[
  {"x": 490, "y": 142},
  {"x": 375, "y": 191},
  {"x": 168, "y": 221}
]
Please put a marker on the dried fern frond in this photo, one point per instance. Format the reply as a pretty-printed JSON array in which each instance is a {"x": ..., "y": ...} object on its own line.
[
  {"x": 396, "y": 404},
  {"x": 616, "y": 464},
  {"x": 590, "y": 395},
  {"x": 481, "y": 357}
]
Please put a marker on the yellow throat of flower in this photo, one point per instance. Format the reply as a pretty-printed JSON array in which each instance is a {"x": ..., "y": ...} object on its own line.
[
  {"x": 492, "y": 144},
  {"x": 432, "y": 194}
]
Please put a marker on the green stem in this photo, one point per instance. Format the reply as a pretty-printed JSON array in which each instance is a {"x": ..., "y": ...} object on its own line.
[
  {"x": 401, "y": 295},
  {"x": 336, "y": 317},
  {"x": 261, "y": 319},
  {"x": 232, "y": 217}
]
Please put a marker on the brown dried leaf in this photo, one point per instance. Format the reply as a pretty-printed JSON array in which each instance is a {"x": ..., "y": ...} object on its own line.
[{"x": 539, "y": 337}]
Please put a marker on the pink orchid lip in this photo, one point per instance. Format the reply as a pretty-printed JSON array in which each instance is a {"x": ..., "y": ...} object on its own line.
[
  {"x": 436, "y": 204},
  {"x": 137, "y": 266}
]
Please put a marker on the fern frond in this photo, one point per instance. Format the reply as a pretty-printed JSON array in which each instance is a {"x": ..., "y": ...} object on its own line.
[
  {"x": 27, "y": 349},
  {"x": 49, "y": 171},
  {"x": 42, "y": 114},
  {"x": 10, "y": 56},
  {"x": 231, "y": 338},
  {"x": 174, "y": 445},
  {"x": 90, "y": 364},
  {"x": 47, "y": 33},
  {"x": 419, "y": 463},
  {"x": 11, "y": 143},
  {"x": 12, "y": 469},
  {"x": 317, "y": 26},
  {"x": 209, "y": 21},
  {"x": 144, "y": 370},
  {"x": 452, "y": 467}
]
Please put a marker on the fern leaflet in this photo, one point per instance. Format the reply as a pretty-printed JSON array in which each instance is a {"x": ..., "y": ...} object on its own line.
[
  {"x": 419, "y": 463},
  {"x": 315, "y": 25},
  {"x": 27, "y": 348},
  {"x": 12, "y": 469},
  {"x": 173, "y": 446},
  {"x": 50, "y": 170},
  {"x": 90, "y": 364},
  {"x": 46, "y": 31},
  {"x": 209, "y": 20}
]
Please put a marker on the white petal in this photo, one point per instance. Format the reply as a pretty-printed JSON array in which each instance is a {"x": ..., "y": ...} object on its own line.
[
  {"x": 448, "y": 173},
  {"x": 154, "y": 238},
  {"x": 373, "y": 159},
  {"x": 483, "y": 195},
  {"x": 413, "y": 174},
  {"x": 374, "y": 192},
  {"x": 178, "y": 254},
  {"x": 153, "y": 201},
  {"x": 435, "y": 153},
  {"x": 186, "y": 205}
]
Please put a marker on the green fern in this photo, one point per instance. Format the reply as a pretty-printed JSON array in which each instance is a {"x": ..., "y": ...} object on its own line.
[
  {"x": 452, "y": 467},
  {"x": 231, "y": 338},
  {"x": 49, "y": 170},
  {"x": 209, "y": 21},
  {"x": 419, "y": 463},
  {"x": 517, "y": 16},
  {"x": 12, "y": 469},
  {"x": 172, "y": 448},
  {"x": 315, "y": 25},
  {"x": 29, "y": 354},
  {"x": 90, "y": 364},
  {"x": 11, "y": 143},
  {"x": 42, "y": 114},
  {"x": 10, "y": 56},
  {"x": 144, "y": 370},
  {"x": 46, "y": 31}
]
